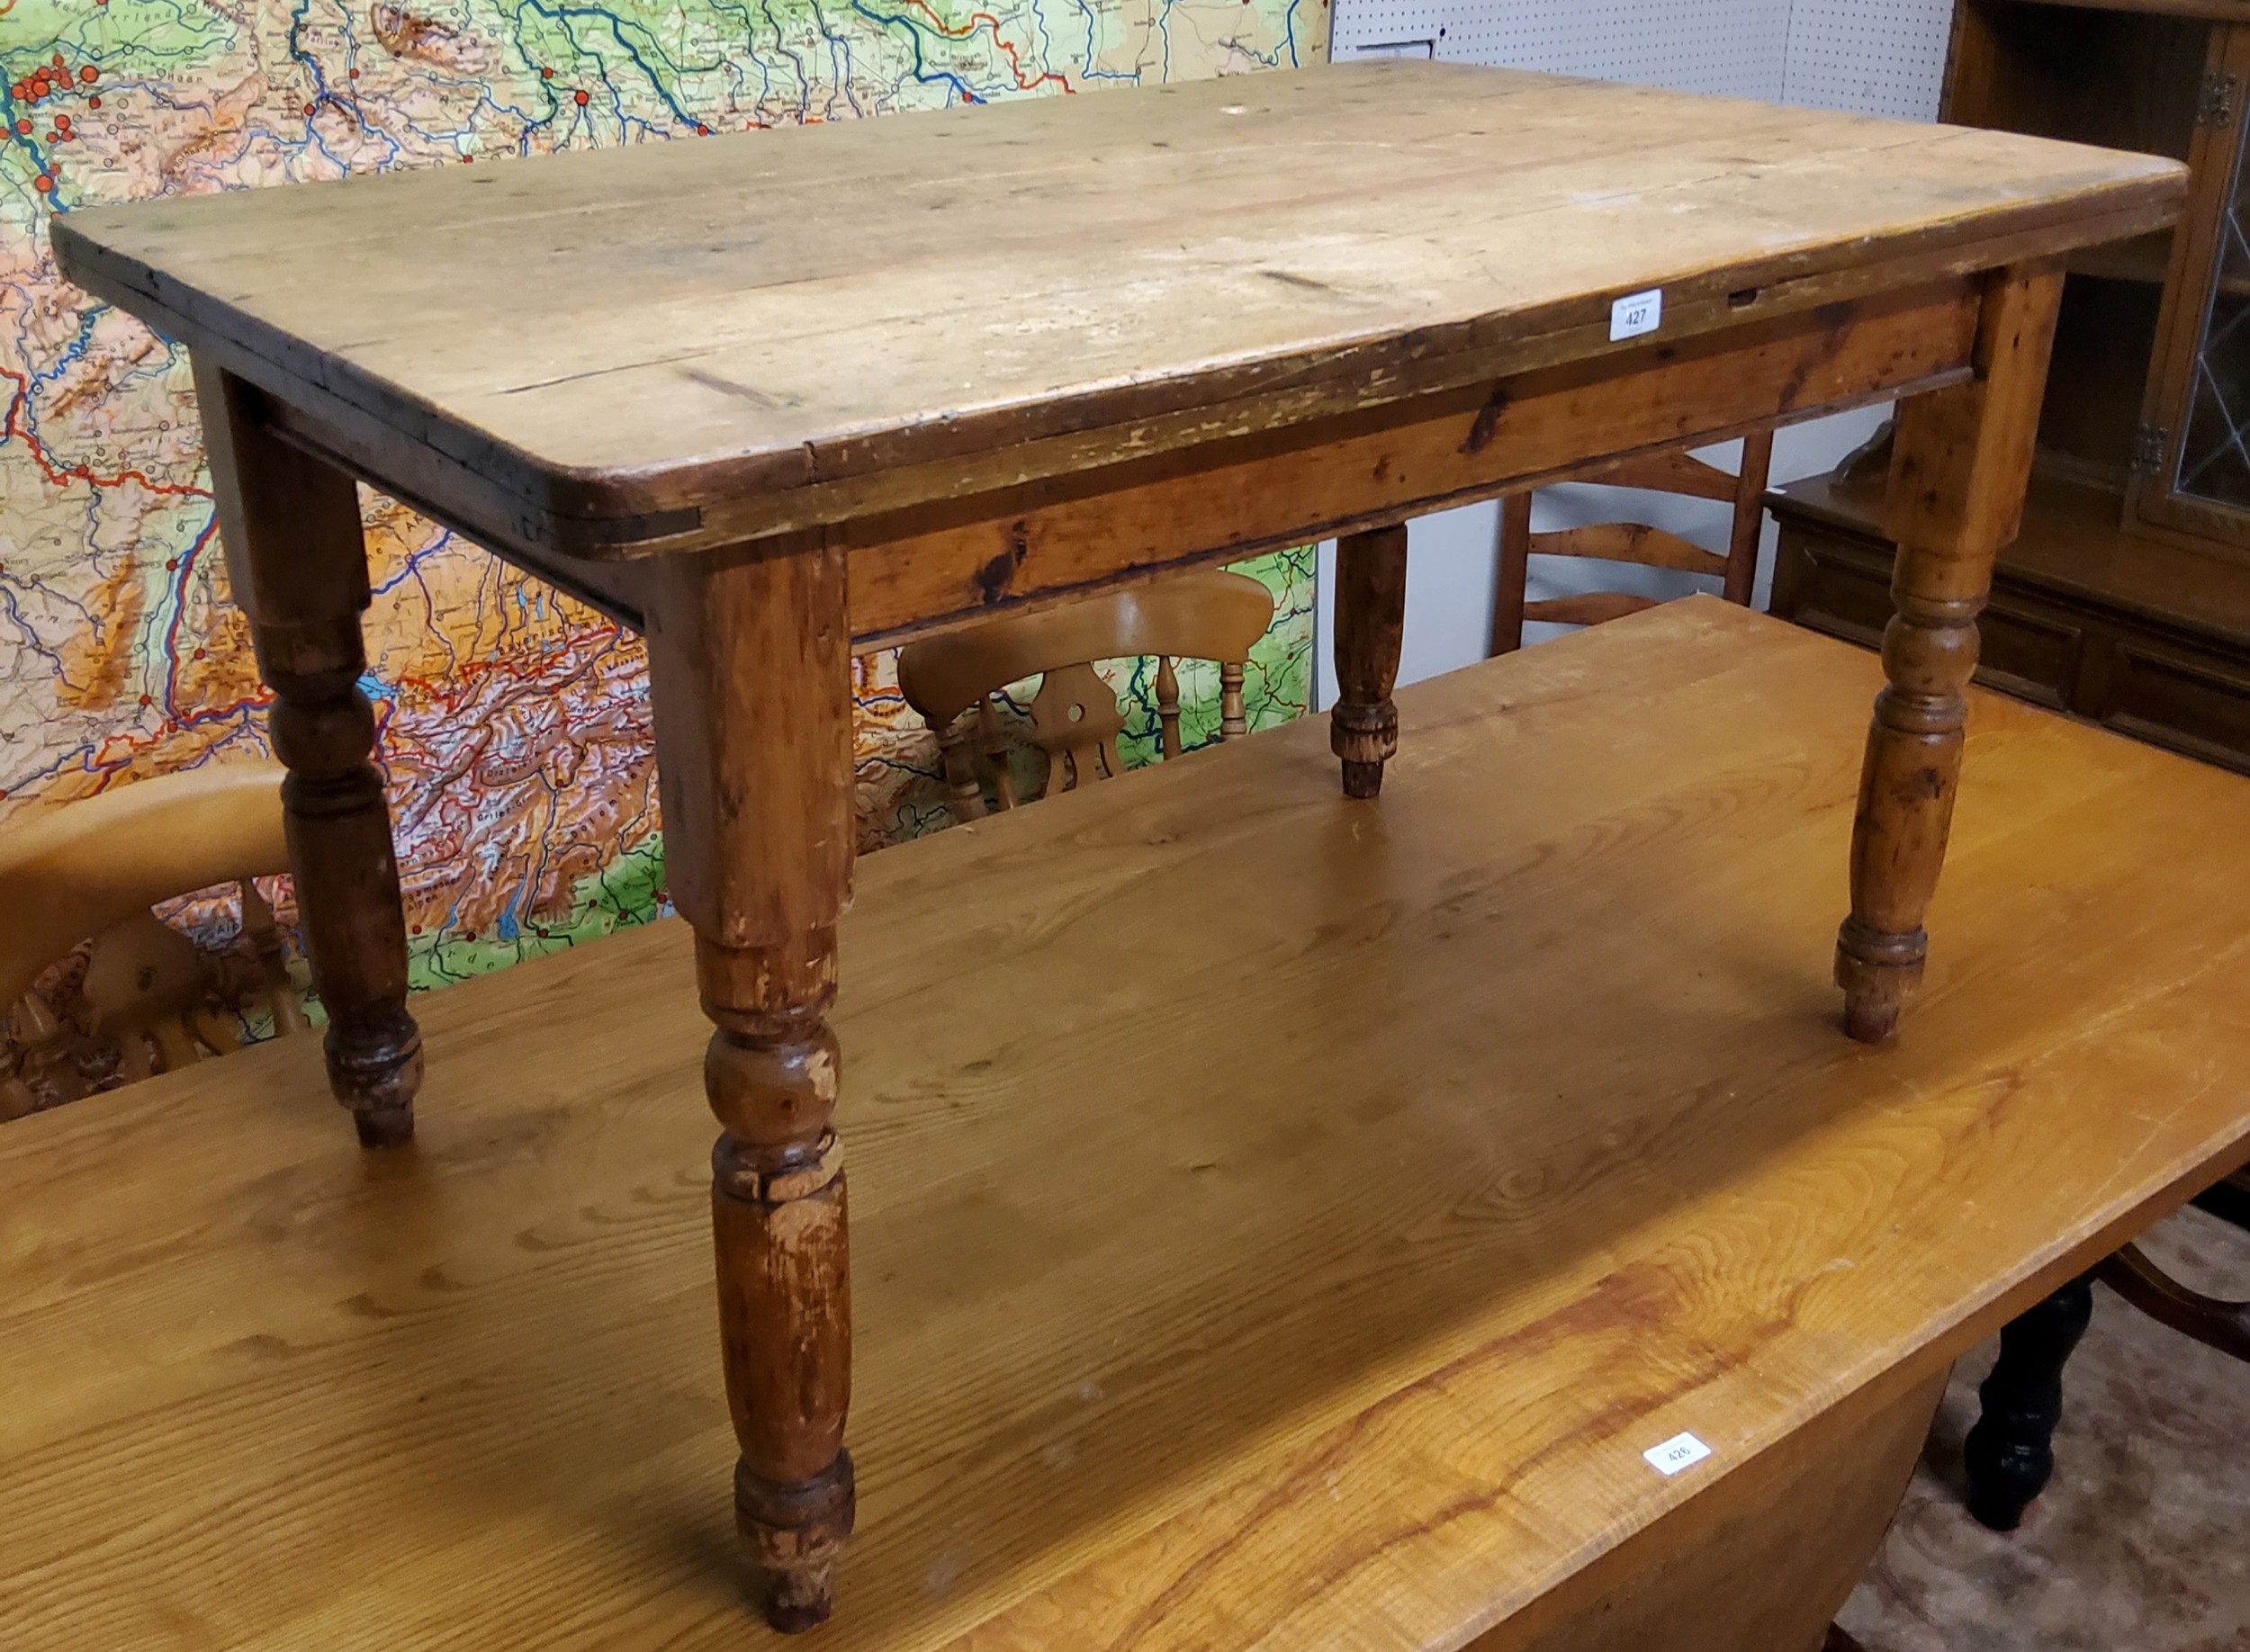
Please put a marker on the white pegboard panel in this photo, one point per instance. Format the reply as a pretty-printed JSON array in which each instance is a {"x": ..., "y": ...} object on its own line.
[
  {"x": 1739, "y": 47},
  {"x": 1873, "y": 57},
  {"x": 1877, "y": 57}
]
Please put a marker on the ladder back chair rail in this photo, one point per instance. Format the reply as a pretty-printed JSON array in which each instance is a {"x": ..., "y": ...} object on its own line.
[{"x": 1673, "y": 470}]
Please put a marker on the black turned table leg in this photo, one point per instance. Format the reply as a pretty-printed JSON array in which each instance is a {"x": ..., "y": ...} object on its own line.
[
  {"x": 2009, "y": 1453},
  {"x": 2228, "y": 1200}
]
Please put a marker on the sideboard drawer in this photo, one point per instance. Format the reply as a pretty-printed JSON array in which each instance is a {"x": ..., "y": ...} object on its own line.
[
  {"x": 2111, "y": 665},
  {"x": 1841, "y": 586},
  {"x": 2177, "y": 698}
]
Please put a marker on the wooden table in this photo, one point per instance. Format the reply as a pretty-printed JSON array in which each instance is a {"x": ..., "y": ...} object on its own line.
[
  {"x": 769, "y": 396},
  {"x": 1281, "y": 1224}
]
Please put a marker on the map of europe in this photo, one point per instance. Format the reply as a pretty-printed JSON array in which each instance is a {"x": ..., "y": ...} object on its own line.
[{"x": 515, "y": 724}]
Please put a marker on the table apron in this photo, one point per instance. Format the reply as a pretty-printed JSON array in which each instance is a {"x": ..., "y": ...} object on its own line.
[
  {"x": 1053, "y": 541},
  {"x": 950, "y": 564}
]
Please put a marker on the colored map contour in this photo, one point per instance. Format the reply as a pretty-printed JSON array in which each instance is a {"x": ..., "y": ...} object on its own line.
[{"x": 515, "y": 724}]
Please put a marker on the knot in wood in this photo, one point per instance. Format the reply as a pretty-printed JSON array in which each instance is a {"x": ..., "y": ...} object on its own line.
[{"x": 770, "y": 1094}]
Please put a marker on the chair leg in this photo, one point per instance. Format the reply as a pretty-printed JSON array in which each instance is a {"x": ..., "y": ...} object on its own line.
[
  {"x": 1507, "y": 589},
  {"x": 2009, "y": 1453},
  {"x": 1749, "y": 518}
]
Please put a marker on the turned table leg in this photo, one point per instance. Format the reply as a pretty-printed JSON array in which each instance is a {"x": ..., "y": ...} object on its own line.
[
  {"x": 2009, "y": 1455},
  {"x": 1958, "y": 468},
  {"x": 752, "y": 690},
  {"x": 289, "y": 527},
  {"x": 1370, "y": 624}
]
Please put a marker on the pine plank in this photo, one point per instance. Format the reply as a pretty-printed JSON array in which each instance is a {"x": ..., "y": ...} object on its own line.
[
  {"x": 1279, "y": 1221},
  {"x": 637, "y": 333}
]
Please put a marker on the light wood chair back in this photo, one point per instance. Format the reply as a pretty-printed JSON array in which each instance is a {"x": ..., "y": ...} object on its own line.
[
  {"x": 90, "y": 871},
  {"x": 1208, "y": 613},
  {"x": 1671, "y": 471}
]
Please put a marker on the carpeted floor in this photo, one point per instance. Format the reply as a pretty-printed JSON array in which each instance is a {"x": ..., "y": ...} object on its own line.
[{"x": 2142, "y": 1542}]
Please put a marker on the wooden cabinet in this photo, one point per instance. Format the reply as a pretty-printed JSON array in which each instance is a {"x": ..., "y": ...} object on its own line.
[
  {"x": 2150, "y": 638},
  {"x": 2127, "y": 597}
]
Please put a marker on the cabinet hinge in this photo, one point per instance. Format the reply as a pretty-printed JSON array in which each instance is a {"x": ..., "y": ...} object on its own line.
[
  {"x": 2216, "y": 105},
  {"x": 2148, "y": 446}
]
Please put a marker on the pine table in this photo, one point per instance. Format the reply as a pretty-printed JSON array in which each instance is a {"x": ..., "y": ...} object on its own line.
[{"x": 771, "y": 396}]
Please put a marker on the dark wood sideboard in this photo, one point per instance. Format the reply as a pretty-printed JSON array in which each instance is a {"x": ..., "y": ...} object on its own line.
[{"x": 2126, "y": 599}]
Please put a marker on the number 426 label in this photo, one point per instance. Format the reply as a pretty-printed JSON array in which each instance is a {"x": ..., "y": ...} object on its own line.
[
  {"x": 1636, "y": 313},
  {"x": 1681, "y": 1451}
]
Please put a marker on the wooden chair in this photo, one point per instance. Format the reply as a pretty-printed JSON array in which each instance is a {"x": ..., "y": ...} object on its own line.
[
  {"x": 76, "y": 884},
  {"x": 1205, "y": 614},
  {"x": 1672, "y": 470}
]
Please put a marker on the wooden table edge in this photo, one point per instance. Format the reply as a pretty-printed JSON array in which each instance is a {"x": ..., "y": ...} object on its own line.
[{"x": 610, "y": 515}]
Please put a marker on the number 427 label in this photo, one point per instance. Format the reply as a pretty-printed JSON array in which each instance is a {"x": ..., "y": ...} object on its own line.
[{"x": 1636, "y": 313}]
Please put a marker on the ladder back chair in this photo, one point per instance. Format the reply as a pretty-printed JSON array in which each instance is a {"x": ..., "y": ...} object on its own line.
[
  {"x": 89, "y": 977},
  {"x": 1670, "y": 470},
  {"x": 1208, "y": 613}
]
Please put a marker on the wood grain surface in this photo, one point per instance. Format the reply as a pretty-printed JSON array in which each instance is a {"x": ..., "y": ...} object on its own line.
[
  {"x": 633, "y": 334},
  {"x": 915, "y": 569},
  {"x": 1279, "y": 1221},
  {"x": 750, "y": 680},
  {"x": 1761, "y": 1560}
]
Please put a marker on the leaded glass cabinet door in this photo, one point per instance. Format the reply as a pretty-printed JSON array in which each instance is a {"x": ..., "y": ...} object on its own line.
[{"x": 2191, "y": 471}]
